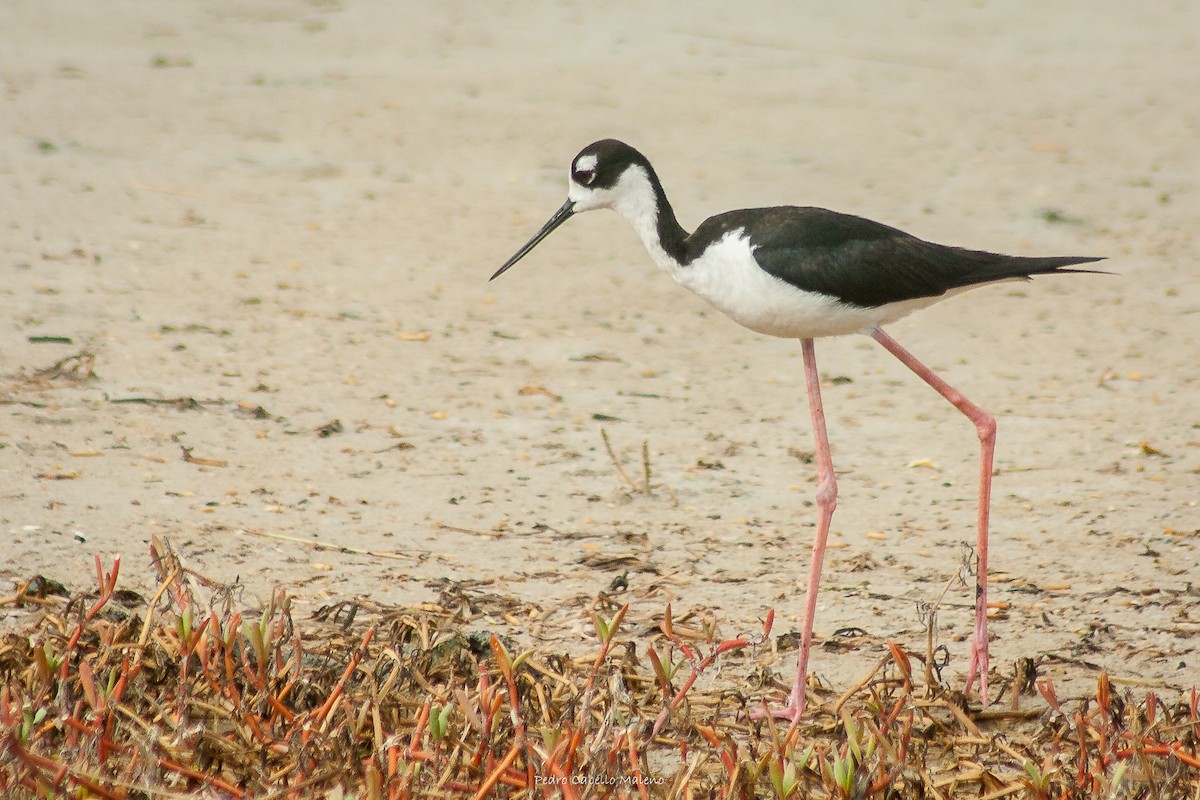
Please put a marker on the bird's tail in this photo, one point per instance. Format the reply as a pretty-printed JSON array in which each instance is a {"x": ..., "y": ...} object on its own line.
[
  {"x": 990, "y": 267},
  {"x": 1041, "y": 265}
]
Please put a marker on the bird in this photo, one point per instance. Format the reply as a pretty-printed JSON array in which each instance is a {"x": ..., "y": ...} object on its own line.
[{"x": 805, "y": 273}]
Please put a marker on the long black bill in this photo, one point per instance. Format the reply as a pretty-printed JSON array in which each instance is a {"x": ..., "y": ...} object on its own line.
[{"x": 560, "y": 216}]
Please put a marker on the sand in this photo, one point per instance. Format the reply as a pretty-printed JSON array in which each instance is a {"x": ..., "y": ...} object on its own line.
[{"x": 266, "y": 230}]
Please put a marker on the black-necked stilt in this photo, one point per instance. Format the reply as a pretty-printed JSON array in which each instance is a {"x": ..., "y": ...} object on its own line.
[{"x": 804, "y": 273}]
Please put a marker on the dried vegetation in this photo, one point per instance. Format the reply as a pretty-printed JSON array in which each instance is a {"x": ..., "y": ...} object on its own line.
[{"x": 110, "y": 695}]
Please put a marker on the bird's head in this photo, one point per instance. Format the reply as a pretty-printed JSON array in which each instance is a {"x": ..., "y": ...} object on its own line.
[{"x": 605, "y": 174}]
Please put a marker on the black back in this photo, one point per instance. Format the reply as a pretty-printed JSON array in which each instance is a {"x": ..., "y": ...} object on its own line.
[{"x": 859, "y": 261}]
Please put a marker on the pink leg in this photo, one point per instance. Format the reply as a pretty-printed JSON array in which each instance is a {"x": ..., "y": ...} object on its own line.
[
  {"x": 826, "y": 503},
  {"x": 985, "y": 425}
]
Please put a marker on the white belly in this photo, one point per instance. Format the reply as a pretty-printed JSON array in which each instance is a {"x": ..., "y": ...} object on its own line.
[{"x": 728, "y": 278}]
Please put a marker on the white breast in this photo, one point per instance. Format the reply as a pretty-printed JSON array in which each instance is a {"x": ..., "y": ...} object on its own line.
[{"x": 727, "y": 276}]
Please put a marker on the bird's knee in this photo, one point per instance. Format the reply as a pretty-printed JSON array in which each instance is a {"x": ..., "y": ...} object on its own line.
[
  {"x": 827, "y": 493},
  {"x": 985, "y": 426}
]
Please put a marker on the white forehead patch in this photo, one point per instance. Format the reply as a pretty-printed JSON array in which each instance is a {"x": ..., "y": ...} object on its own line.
[{"x": 586, "y": 163}]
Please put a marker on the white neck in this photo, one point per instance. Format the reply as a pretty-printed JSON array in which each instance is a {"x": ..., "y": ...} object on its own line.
[
  {"x": 636, "y": 197},
  {"x": 637, "y": 202}
]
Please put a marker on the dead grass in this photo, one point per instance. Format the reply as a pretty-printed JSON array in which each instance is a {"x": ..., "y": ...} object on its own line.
[{"x": 185, "y": 695}]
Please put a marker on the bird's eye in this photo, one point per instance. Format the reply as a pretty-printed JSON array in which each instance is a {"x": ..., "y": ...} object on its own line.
[{"x": 585, "y": 176}]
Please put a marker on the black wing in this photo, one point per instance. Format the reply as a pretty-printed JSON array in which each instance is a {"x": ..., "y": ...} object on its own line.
[{"x": 862, "y": 262}]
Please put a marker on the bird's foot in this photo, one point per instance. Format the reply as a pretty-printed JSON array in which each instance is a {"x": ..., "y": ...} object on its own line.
[
  {"x": 978, "y": 665},
  {"x": 789, "y": 712},
  {"x": 793, "y": 711}
]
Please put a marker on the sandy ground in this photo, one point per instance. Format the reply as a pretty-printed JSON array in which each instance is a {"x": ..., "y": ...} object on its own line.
[{"x": 287, "y": 212}]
